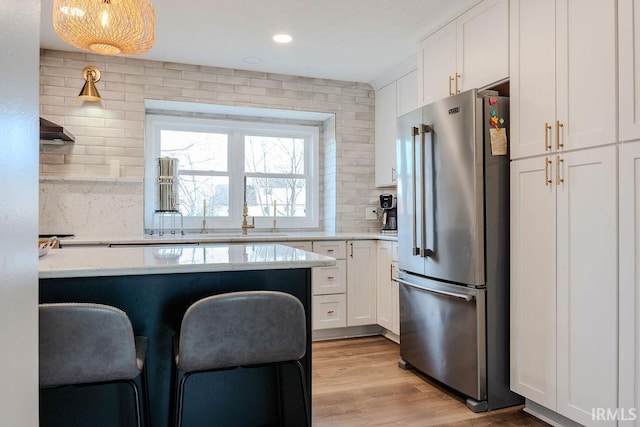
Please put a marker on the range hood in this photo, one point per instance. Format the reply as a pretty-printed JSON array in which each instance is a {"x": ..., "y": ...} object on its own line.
[{"x": 53, "y": 133}]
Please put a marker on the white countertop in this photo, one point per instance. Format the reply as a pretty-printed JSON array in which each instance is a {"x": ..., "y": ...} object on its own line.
[
  {"x": 233, "y": 237},
  {"x": 119, "y": 261}
]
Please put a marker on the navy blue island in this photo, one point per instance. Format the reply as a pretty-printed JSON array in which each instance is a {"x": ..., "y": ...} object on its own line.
[{"x": 154, "y": 285}]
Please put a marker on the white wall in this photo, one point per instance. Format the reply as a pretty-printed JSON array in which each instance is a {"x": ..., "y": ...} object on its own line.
[{"x": 19, "y": 56}]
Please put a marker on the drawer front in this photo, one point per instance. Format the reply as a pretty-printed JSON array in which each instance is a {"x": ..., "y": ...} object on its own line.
[
  {"x": 330, "y": 280},
  {"x": 337, "y": 250},
  {"x": 329, "y": 311},
  {"x": 305, "y": 246}
]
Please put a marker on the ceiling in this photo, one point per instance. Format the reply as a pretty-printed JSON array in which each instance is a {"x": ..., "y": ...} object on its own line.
[{"x": 353, "y": 40}]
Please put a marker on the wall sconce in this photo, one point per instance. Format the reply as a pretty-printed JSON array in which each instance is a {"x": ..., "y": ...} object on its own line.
[{"x": 89, "y": 92}]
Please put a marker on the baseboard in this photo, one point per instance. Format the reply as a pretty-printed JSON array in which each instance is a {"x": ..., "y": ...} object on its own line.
[
  {"x": 547, "y": 415},
  {"x": 349, "y": 332},
  {"x": 390, "y": 336}
]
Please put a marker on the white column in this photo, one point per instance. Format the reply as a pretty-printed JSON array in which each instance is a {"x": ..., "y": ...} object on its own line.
[{"x": 19, "y": 104}]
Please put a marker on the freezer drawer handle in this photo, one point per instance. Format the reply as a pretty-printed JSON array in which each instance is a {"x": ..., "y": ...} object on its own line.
[{"x": 435, "y": 291}]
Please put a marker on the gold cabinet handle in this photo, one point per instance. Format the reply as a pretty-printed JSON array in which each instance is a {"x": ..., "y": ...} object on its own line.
[
  {"x": 558, "y": 167},
  {"x": 547, "y": 180},
  {"x": 559, "y": 125},
  {"x": 457, "y": 78},
  {"x": 330, "y": 312},
  {"x": 450, "y": 81},
  {"x": 351, "y": 244},
  {"x": 390, "y": 271},
  {"x": 547, "y": 129},
  {"x": 330, "y": 277},
  {"x": 394, "y": 175}
]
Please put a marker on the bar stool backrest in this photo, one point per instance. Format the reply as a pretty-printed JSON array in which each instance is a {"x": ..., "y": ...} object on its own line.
[
  {"x": 241, "y": 329},
  {"x": 85, "y": 343}
]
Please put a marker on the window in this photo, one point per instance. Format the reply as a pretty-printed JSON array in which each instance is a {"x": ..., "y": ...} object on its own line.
[{"x": 223, "y": 163}]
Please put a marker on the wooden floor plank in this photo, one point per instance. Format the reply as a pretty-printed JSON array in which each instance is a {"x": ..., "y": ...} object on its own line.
[{"x": 357, "y": 382}]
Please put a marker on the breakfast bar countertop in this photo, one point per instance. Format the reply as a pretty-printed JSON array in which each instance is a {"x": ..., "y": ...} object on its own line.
[{"x": 142, "y": 260}]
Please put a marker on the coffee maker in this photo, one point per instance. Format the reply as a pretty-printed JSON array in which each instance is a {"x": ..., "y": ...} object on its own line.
[{"x": 389, "y": 213}]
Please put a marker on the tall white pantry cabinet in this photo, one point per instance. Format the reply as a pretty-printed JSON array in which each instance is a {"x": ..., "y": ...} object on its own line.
[
  {"x": 629, "y": 202},
  {"x": 565, "y": 341}
]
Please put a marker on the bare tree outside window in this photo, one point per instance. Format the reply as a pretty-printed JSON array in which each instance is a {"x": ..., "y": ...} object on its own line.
[
  {"x": 276, "y": 182},
  {"x": 202, "y": 159}
]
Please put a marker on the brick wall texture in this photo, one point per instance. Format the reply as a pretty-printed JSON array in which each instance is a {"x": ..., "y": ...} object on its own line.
[{"x": 113, "y": 129}]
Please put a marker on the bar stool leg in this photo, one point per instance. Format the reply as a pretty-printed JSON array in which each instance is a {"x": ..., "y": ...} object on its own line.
[
  {"x": 303, "y": 383},
  {"x": 136, "y": 396}
]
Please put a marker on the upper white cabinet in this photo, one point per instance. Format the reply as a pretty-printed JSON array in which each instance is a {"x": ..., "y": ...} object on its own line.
[
  {"x": 629, "y": 68},
  {"x": 406, "y": 93},
  {"x": 564, "y": 282},
  {"x": 470, "y": 52},
  {"x": 562, "y": 74},
  {"x": 385, "y": 128},
  {"x": 629, "y": 199},
  {"x": 437, "y": 65},
  {"x": 392, "y": 101}
]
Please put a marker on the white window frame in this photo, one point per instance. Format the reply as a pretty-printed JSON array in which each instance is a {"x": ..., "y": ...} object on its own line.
[{"x": 236, "y": 130}]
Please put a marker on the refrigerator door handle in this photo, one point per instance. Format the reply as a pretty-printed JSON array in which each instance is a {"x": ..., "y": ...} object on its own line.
[
  {"x": 435, "y": 291},
  {"x": 425, "y": 129},
  {"x": 414, "y": 133}
]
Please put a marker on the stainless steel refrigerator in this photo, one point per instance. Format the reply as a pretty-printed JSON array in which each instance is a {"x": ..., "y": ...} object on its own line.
[{"x": 453, "y": 239}]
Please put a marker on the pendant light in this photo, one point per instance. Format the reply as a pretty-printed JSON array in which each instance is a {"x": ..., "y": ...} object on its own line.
[{"x": 107, "y": 27}]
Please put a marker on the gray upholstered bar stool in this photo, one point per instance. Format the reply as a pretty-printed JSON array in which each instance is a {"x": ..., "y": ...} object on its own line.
[
  {"x": 240, "y": 329},
  {"x": 90, "y": 344}
]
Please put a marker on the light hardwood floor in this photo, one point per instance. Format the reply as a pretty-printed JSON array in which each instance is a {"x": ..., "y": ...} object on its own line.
[{"x": 357, "y": 382}]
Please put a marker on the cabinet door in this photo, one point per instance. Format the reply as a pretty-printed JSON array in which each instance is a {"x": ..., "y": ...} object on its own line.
[
  {"x": 586, "y": 72},
  {"x": 385, "y": 128},
  {"x": 437, "y": 65},
  {"x": 587, "y": 284},
  {"x": 533, "y": 281},
  {"x": 629, "y": 160},
  {"x": 384, "y": 292},
  {"x": 395, "y": 300},
  {"x": 361, "y": 283},
  {"x": 483, "y": 44},
  {"x": 629, "y": 66},
  {"x": 406, "y": 94},
  {"x": 532, "y": 79}
]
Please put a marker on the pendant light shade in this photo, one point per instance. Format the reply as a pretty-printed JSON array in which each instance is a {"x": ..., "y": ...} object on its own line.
[
  {"x": 107, "y": 27},
  {"x": 89, "y": 91}
]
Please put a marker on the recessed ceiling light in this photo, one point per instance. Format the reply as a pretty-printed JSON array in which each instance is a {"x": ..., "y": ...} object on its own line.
[
  {"x": 251, "y": 60},
  {"x": 282, "y": 38}
]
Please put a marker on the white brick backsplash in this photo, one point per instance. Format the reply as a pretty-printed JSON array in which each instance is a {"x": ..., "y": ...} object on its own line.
[{"x": 114, "y": 128}]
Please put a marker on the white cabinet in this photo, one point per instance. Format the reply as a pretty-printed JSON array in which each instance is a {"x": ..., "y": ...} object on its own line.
[
  {"x": 392, "y": 101},
  {"x": 628, "y": 68},
  {"x": 629, "y": 199},
  {"x": 533, "y": 281},
  {"x": 361, "y": 283},
  {"x": 304, "y": 245},
  {"x": 469, "y": 52},
  {"x": 587, "y": 284},
  {"x": 385, "y": 136},
  {"x": 406, "y": 94},
  {"x": 388, "y": 311},
  {"x": 329, "y": 311},
  {"x": 437, "y": 65},
  {"x": 330, "y": 280},
  {"x": 562, "y": 75},
  {"x": 329, "y": 286},
  {"x": 564, "y": 310}
]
